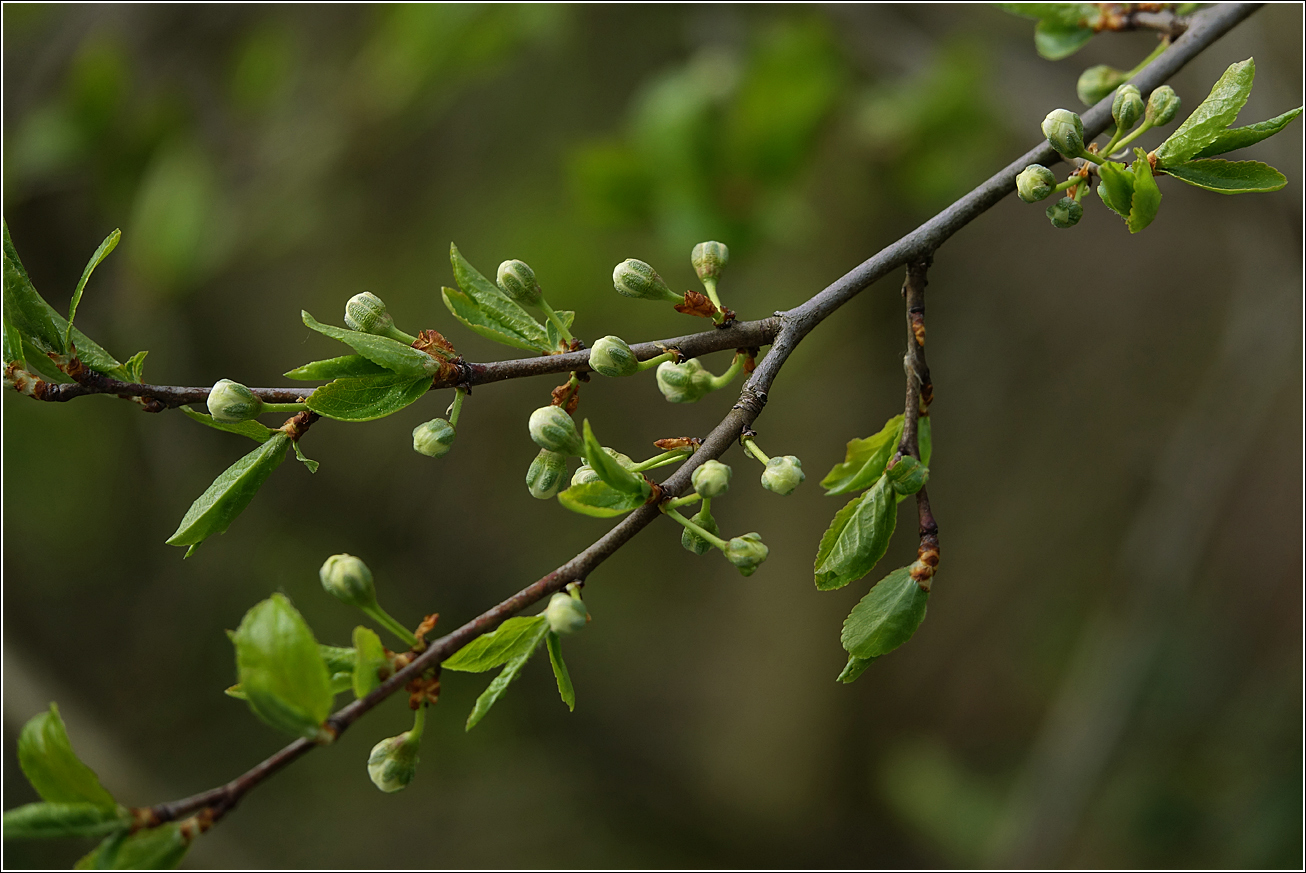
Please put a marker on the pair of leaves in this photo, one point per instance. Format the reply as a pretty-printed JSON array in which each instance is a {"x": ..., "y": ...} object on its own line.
[
  {"x": 882, "y": 621},
  {"x": 510, "y": 646},
  {"x": 215, "y": 509},
  {"x": 617, "y": 491},
  {"x": 488, "y": 311},
  {"x": 865, "y": 459},
  {"x": 281, "y": 669},
  {"x": 1062, "y": 29},
  {"x": 1131, "y": 193},
  {"x": 1187, "y": 153}
]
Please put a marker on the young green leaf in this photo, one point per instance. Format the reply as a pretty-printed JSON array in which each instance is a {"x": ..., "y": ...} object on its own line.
[
  {"x": 37, "y": 821},
  {"x": 855, "y": 667},
  {"x": 1055, "y": 41},
  {"x": 215, "y": 509},
  {"x": 864, "y": 460},
  {"x": 13, "y": 341},
  {"x": 600, "y": 500},
  {"x": 370, "y": 661},
  {"x": 1209, "y": 120},
  {"x": 925, "y": 439},
  {"x": 40, "y": 364},
  {"x": 1229, "y": 177},
  {"x": 492, "y": 324},
  {"x": 381, "y": 350},
  {"x": 1116, "y": 188},
  {"x": 159, "y": 848},
  {"x": 49, "y": 763},
  {"x": 306, "y": 461},
  {"x": 257, "y": 432},
  {"x": 565, "y": 689},
  {"x": 857, "y": 538},
  {"x": 1147, "y": 196},
  {"x": 134, "y": 368},
  {"x": 338, "y": 659},
  {"x": 609, "y": 470},
  {"x": 907, "y": 476},
  {"x": 367, "y": 397},
  {"x": 340, "y": 683},
  {"x": 567, "y": 317},
  {"x": 281, "y": 669},
  {"x": 1241, "y": 137},
  {"x": 886, "y": 617},
  {"x": 500, "y": 684},
  {"x": 515, "y": 638},
  {"x": 109, "y": 244},
  {"x": 343, "y": 367}
]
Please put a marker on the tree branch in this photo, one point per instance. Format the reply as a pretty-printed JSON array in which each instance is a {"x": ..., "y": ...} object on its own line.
[{"x": 1205, "y": 28}]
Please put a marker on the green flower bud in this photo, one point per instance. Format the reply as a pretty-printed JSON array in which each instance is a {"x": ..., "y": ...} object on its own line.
[
  {"x": 610, "y": 356},
  {"x": 708, "y": 259},
  {"x": 683, "y": 383},
  {"x": 1128, "y": 107},
  {"x": 552, "y": 428},
  {"x": 518, "y": 281},
  {"x": 1097, "y": 82},
  {"x": 908, "y": 475},
  {"x": 747, "y": 552},
  {"x": 585, "y": 473},
  {"x": 393, "y": 763},
  {"x": 712, "y": 479},
  {"x": 692, "y": 541},
  {"x": 1162, "y": 106},
  {"x": 348, "y": 579},
  {"x": 1066, "y": 212},
  {"x": 634, "y": 278},
  {"x": 1035, "y": 183},
  {"x": 434, "y": 438},
  {"x": 231, "y": 402},
  {"x": 544, "y": 478},
  {"x": 783, "y": 474},
  {"x": 366, "y": 313},
  {"x": 566, "y": 613},
  {"x": 1065, "y": 131}
]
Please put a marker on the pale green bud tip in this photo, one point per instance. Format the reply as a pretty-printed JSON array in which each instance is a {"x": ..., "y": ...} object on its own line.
[
  {"x": 1066, "y": 212},
  {"x": 1162, "y": 106},
  {"x": 231, "y": 402},
  {"x": 683, "y": 383},
  {"x": 1065, "y": 131},
  {"x": 1127, "y": 107},
  {"x": 634, "y": 278},
  {"x": 348, "y": 579},
  {"x": 518, "y": 281},
  {"x": 393, "y": 763},
  {"x": 747, "y": 553},
  {"x": 566, "y": 614},
  {"x": 1097, "y": 82},
  {"x": 611, "y": 356},
  {"x": 553, "y": 429},
  {"x": 712, "y": 479},
  {"x": 708, "y": 259},
  {"x": 1035, "y": 183},
  {"x": 782, "y": 475},
  {"x": 366, "y": 313},
  {"x": 544, "y": 478},
  {"x": 433, "y": 438}
]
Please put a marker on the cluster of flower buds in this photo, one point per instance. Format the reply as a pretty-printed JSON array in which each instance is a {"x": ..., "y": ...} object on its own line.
[
  {"x": 701, "y": 533},
  {"x": 635, "y": 278},
  {"x": 690, "y": 381},
  {"x": 566, "y": 612}
]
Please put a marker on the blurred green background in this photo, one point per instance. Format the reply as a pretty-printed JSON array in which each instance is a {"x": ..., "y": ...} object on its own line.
[{"x": 1110, "y": 674}]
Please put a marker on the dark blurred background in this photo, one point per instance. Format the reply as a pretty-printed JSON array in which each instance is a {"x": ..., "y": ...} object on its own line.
[{"x": 1110, "y": 674}]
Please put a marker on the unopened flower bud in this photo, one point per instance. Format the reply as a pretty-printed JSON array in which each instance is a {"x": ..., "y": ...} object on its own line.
[
  {"x": 908, "y": 475},
  {"x": 231, "y": 402},
  {"x": 1127, "y": 107},
  {"x": 348, "y": 579},
  {"x": 544, "y": 478},
  {"x": 1162, "y": 106},
  {"x": 518, "y": 281},
  {"x": 695, "y": 543},
  {"x": 366, "y": 313},
  {"x": 1065, "y": 131},
  {"x": 747, "y": 553},
  {"x": 1035, "y": 183},
  {"x": 585, "y": 473},
  {"x": 783, "y": 474},
  {"x": 1097, "y": 82},
  {"x": 611, "y": 356},
  {"x": 683, "y": 383},
  {"x": 553, "y": 429},
  {"x": 709, "y": 258},
  {"x": 1066, "y": 212},
  {"x": 712, "y": 479},
  {"x": 566, "y": 614},
  {"x": 634, "y": 278},
  {"x": 393, "y": 763},
  {"x": 433, "y": 438}
]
